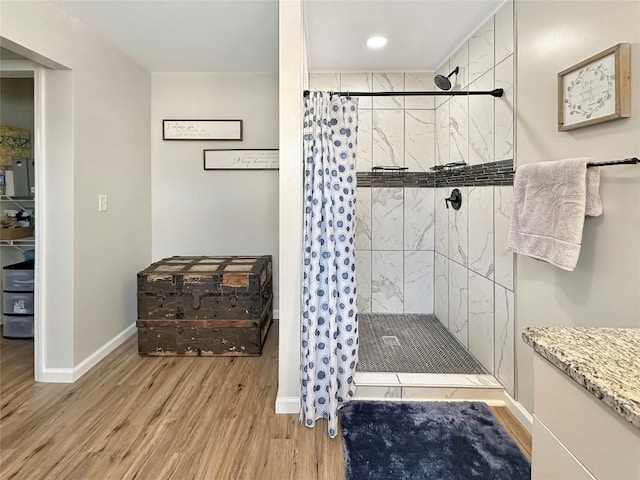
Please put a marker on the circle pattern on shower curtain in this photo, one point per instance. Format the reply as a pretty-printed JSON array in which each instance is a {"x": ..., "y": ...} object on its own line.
[{"x": 329, "y": 347}]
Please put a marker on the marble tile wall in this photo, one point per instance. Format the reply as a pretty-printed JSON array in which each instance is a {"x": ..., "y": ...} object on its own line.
[
  {"x": 387, "y": 281},
  {"x": 391, "y": 130},
  {"x": 481, "y": 50},
  {"x": 473, "y": 267},
  {"x": 460, "y": 59},
  {"x": 458, "y": 302},
  {"x": 480, "y": 230},
  {"x": 387, "y": 220},
  {"x": 481, "y": 311},
  {"x": 441, "y": 214},
  {"x": 418, "y": 281},
  {"x": 363, "y": 219},
  {"x": 481, "y": 121},
  {"x": 504, "y": 319},
  {"x": 395, "y": 240},
  {"x": 417, "y": 81},
  {"x": 395, "y": 249},
  {"x": 418, "y": 219},
  {"x": 363, "y": 283},
  {"x": 504, "y": 110},
  {"x": 443, "y": 70},
  {"x": 388, "y": 137},
  {"x": 413, "y": 254},
  {"x": 364, "y": 159},
  {"x": 441, "y": 284},
  {"x": 442, "y": 133},
  {"x": 486, "y": 309},
  {"x": 388, "y": 82},
  {"x": 458, "y": 129},
  {"x": 458, "y": 230},
  {"x": 419, "y": 139}
]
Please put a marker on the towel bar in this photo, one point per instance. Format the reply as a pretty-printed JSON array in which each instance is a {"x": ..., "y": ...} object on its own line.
[{"x": 626, "y": 161}]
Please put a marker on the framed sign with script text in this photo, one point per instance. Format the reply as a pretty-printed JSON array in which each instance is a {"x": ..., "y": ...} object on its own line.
[
  {"x": 241, "y": 159},
  {"x": 202, "y": 129},
  {"x": 595, "y": 90}
]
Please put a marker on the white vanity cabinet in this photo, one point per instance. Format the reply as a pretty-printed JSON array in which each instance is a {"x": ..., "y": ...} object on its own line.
[
  {"x": 586, "y": 403},
  {"x": 575, "y": 435}
]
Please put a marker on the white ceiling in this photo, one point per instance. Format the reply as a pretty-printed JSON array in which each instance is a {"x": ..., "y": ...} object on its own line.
[
  {"x": 242, "y": 35},
  {"x": 186, "y": 35},
  {"x": 421, "y": 33}
]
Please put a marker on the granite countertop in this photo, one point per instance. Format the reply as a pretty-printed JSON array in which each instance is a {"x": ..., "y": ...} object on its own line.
[{"x": 604, "y": 361}]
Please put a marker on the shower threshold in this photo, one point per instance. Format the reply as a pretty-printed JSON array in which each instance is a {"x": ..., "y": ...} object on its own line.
[{"x": 428, "y": 387}]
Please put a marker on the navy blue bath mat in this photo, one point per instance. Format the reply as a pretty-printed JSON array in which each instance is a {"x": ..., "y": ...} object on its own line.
[{"x": 428, "y": 441}]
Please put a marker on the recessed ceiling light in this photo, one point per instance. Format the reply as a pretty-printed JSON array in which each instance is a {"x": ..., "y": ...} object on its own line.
[{"x": 376, "y": 42}]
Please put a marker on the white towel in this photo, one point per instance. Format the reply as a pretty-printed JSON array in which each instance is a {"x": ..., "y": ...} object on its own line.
[{"x": 550, "y": 201}]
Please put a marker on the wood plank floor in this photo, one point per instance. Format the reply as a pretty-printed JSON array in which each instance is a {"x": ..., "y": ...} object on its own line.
[{"x": 170, "y": 418}]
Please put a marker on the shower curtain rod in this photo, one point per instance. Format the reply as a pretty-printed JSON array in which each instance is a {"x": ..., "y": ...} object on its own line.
[{"x": 498, "y": 92}]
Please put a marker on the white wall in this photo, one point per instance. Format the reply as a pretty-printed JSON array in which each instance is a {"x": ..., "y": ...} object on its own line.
[
  {"x": 604, "y": 289},
  {"x": 473, "y": 267},
  {"x": 96, "y": 142},
  {"x": 214, "y": 212},
  {"x": 290, "y": 193},
  {"x": 54, "y": 226}
]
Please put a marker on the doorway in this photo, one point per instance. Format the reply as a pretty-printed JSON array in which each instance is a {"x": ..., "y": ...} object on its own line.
[
  {"x": 51, "y": 86},
  {"x": 17, "y": 211}
]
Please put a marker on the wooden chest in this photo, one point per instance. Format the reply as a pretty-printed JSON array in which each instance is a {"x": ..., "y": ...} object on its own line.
[{"x": 205, "y": 306}]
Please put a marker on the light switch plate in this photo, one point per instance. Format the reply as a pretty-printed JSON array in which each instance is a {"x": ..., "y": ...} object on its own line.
[{"x": 103, "y": 203}]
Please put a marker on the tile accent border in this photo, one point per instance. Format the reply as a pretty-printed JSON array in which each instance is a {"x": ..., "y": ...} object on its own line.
[{"x": 485, "y": 174}]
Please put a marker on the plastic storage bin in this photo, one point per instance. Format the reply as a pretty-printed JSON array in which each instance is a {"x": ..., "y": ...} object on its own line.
[
  {"x": 18, "y": 277},
  {"x": 17, "y": 327},
  {"x": 17, "y": 303}
]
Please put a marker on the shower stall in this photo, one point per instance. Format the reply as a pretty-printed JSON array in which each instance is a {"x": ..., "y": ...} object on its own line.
[{"x": 434, "y": 283}]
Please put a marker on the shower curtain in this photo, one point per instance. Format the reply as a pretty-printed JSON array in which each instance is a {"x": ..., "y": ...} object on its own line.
[{"x": 329, "y": 347}]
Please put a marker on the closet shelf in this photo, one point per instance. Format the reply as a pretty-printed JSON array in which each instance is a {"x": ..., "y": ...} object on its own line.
[
  {"x": 16, "y": 200},
  {"x": 19, "y": 242}
]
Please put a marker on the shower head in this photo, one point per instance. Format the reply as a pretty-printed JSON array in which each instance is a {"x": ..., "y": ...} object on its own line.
[{"x": 443, "y": 82}]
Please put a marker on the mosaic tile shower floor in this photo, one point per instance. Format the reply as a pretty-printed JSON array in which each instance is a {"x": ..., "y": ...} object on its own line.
[{"x": 411, "y": 343}]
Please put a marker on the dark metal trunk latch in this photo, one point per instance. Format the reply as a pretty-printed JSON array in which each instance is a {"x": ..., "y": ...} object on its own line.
[
  {"x": 233, "y": 301},
  {"x": 196, "y": 299}
]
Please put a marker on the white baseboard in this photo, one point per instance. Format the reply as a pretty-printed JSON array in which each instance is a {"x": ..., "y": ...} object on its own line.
[
  {"x": 93, "y": 359},
  {"x": 57, "y": 375},
  {"x": 70, "y": 375},
  {"x": 287, "y": 405},
  {"x": 521, "y": 413}
]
